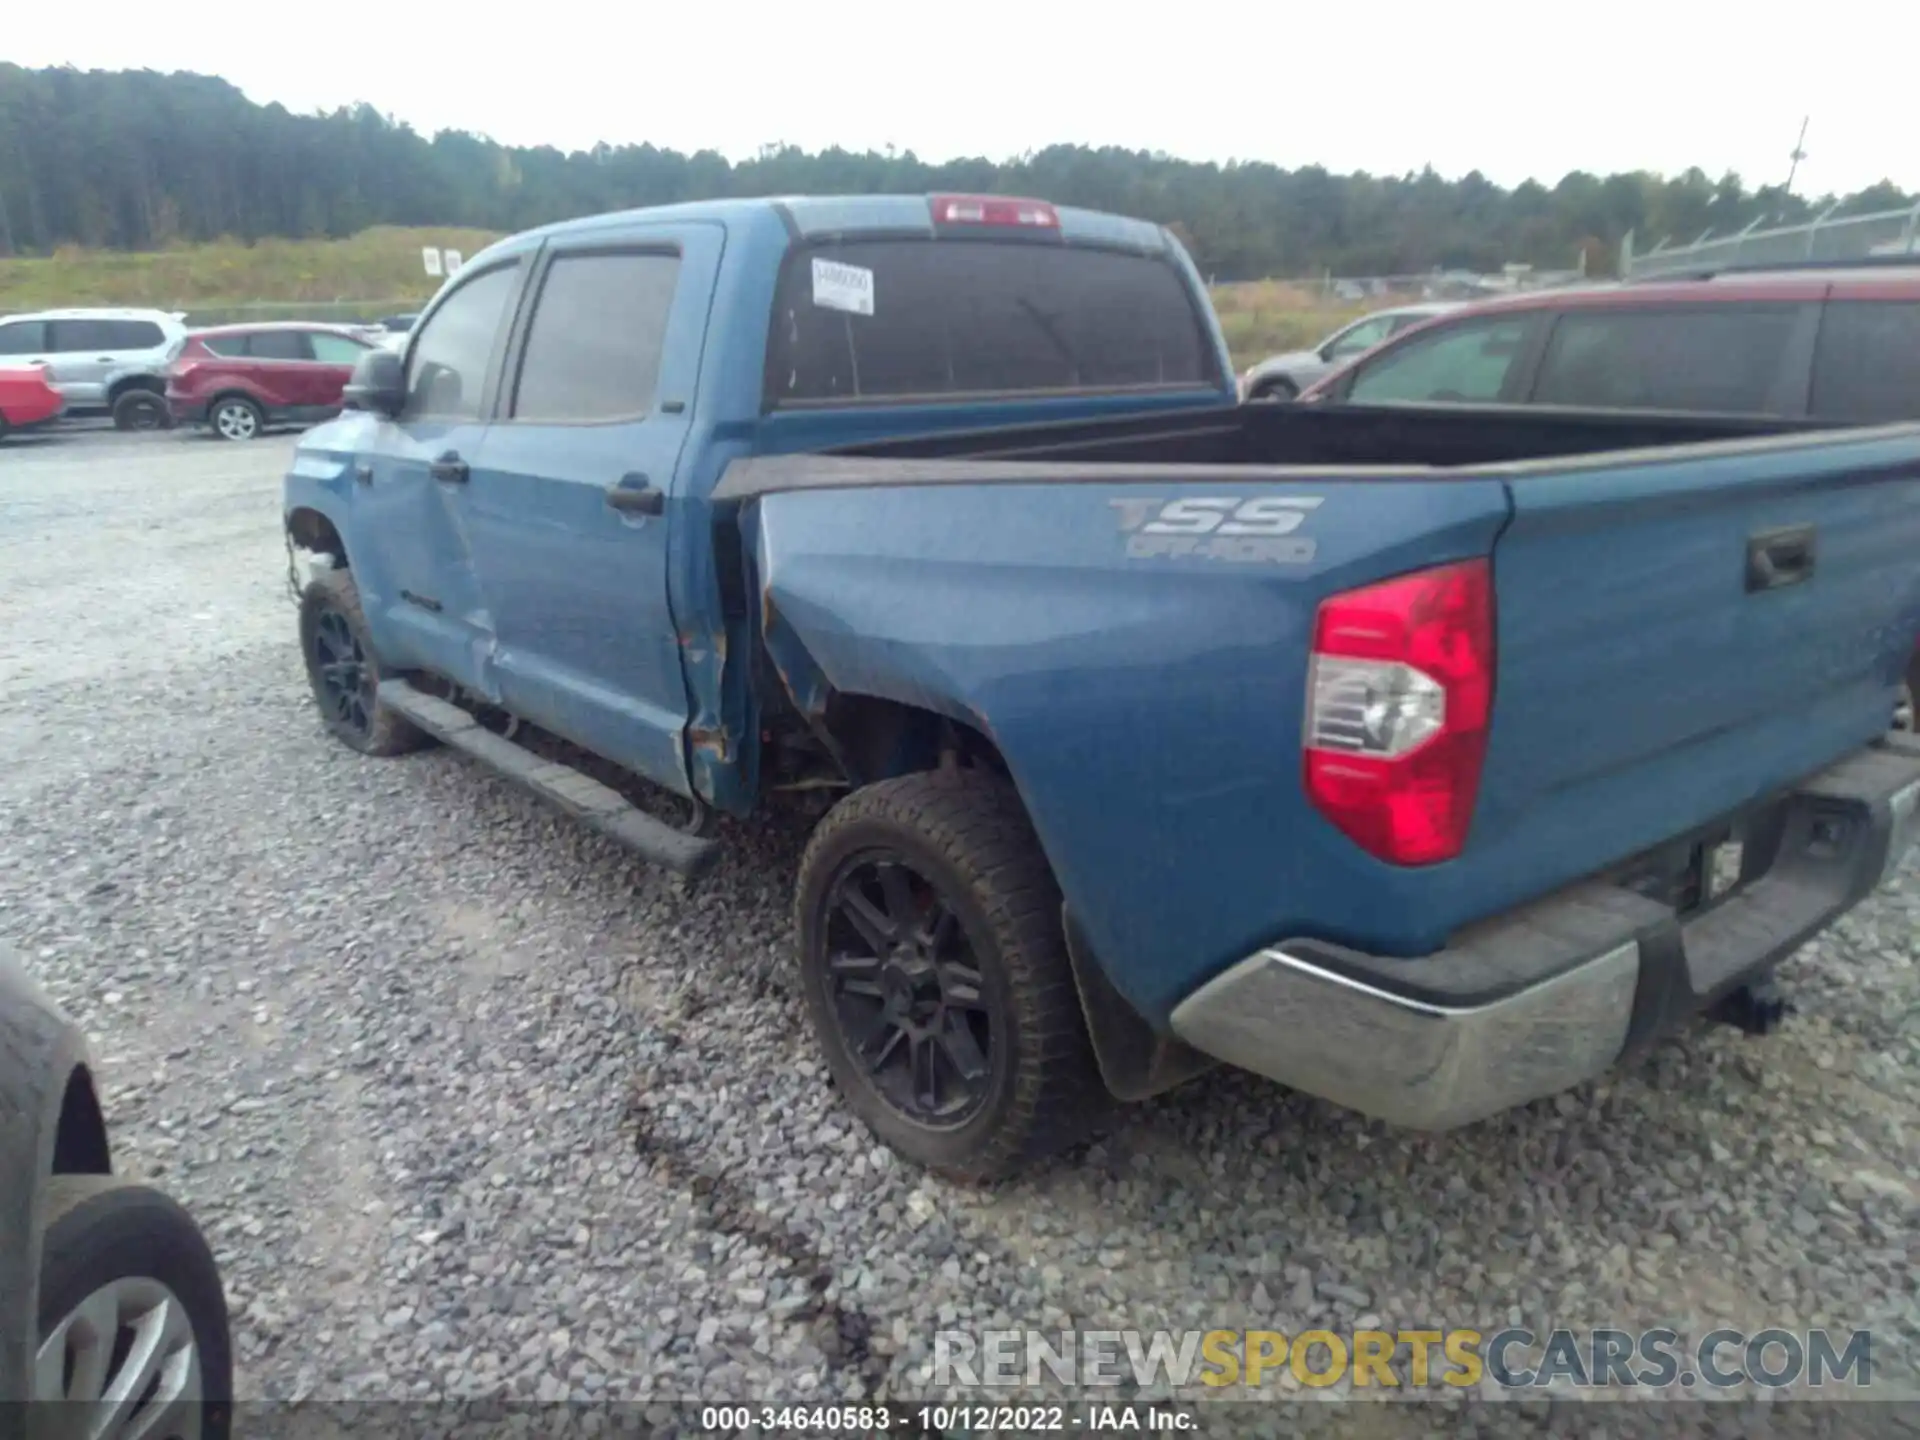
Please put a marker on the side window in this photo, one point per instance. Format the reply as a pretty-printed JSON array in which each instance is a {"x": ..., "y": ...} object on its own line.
[
  {"x": 1724, "y": 358},
  {"x": 72, "y": 336},
  {"x": 1866, "y": 365},
  {"x": 134, "y": 335},
  {"x": 23, "y": 337},
  {"x": 1364, "y": 336},
  {"x": 448, "y": 368},
  {"x": 1466, "y": 363},
  {"x": 278, "y": 345},
  {"x": 331, "y": 349},
  {"x": 593, "y": 349},
  {"x": 227, "y": 347}
]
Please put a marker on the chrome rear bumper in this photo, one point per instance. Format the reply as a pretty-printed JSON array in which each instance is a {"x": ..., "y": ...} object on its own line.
[{"x": 1556, "y": 993}]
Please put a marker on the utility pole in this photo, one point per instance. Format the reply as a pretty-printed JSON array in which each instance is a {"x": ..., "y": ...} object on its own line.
[{"x": 1799, "y": 154}]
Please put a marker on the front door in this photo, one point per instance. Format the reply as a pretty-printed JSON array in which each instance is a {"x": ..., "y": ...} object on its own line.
[
  {"x": 571, "y": 507},
  {"x": 409, "y": 554}
]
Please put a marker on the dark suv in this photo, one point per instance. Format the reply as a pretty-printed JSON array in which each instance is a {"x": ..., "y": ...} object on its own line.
[{"x": 1826, "y": 342}]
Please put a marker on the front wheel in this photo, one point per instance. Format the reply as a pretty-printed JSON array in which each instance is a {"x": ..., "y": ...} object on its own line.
[
  {"x": 935, "y": 974},
  {"x": 133, "y": 1319},
  {"x": 344, "y": 671}
]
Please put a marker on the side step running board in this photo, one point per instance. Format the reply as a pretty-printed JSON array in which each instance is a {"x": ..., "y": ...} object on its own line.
[{"x": 585, "y": 799}]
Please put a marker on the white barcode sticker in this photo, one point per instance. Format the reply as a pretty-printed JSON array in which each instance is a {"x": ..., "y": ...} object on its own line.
[{"x": 842, "y": 287}]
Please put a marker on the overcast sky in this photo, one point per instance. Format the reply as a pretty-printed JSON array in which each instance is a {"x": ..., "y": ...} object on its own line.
[{"x": 1513, "y": 89}]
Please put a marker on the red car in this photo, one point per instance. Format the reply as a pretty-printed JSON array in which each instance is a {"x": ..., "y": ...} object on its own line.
[
  {"x": 26, "y": 399},
  {"x": 238, "y": 379},
  {"x": 1829, "y": 341}
]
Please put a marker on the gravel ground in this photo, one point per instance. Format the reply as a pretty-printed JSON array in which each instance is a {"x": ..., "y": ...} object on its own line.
[{"x": 473, "y": 1105}]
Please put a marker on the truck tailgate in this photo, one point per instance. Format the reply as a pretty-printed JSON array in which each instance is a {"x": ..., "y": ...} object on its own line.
[{"x": 1683, "y": 633}]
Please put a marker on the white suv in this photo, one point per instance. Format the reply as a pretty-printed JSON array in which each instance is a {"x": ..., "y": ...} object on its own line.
[{"x": 111, "y": 361}]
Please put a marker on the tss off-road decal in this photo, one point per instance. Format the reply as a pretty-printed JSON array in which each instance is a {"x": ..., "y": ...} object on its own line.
[{"x": 1259, "y": 530}]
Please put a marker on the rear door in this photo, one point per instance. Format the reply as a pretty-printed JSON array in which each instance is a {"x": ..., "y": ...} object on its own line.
[
  {"x": 281, "y": 366},
  {"x": 410, "y": 554},
  {"x": 80, "y": 355},
  {"x": 572, "y": 501}
]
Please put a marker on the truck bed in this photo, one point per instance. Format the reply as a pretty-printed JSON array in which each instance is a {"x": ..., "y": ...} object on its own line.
[
  {"x": 1376, "y": 437},
  {"x": 1691, "y": 614}
]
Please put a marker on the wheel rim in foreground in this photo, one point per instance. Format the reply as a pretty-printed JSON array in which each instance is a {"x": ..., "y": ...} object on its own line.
[
  {"x": 236, "y": 422},
  {"x": 127, "y": 1353},
  {"x": 906, "y": 991},
  {"x": 347, "y": 681}
]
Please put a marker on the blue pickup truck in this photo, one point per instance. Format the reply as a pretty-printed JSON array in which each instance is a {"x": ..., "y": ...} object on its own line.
[{"x": 1430, "y": 760}]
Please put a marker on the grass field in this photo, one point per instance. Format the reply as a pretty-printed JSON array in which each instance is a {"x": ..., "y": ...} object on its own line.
[{"x": 379, "y": 270}]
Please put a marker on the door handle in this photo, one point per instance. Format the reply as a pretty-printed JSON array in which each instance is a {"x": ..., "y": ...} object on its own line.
[
  {"x": 363, "y": 472},
  {"x": 450, "y": 468},
  {"x": 104, "y": 360},
  {"x": 634, "y": 496},
  {"x": 1778, "y": 558}
]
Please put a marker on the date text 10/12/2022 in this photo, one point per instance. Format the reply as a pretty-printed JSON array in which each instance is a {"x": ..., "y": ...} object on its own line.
[{"x": 897, "y": 1417}]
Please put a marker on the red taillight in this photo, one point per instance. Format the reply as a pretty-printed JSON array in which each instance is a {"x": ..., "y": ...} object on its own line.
[
  {"x": 994, "y": 210},
  {"x": 1399, "y": 696}
]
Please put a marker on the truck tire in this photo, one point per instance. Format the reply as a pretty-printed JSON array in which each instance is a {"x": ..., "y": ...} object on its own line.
[
  {"x": 140, "y": 409},
  {"x": 345, "y": 673},
  {"x": 115, "y": 1257},
  {"x": 935, "y": 973}
]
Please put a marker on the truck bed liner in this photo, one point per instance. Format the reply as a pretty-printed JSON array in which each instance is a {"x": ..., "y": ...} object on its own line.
[{"x": 1227, "y": 442}]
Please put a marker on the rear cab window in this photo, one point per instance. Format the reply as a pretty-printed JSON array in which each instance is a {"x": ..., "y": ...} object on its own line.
[
  {"x": 917, "y": 318},
  {"x": 1866, "y": 363},
  {"x": 1730, "y": 357}
]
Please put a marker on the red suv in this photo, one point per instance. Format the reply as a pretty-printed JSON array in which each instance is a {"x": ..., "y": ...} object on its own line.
[
  {"x": 239, "y": 379},
  {"x": 1830, "y": 342}
]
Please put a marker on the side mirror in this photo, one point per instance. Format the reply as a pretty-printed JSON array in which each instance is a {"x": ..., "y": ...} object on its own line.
[{"x": 378, "y": 384}]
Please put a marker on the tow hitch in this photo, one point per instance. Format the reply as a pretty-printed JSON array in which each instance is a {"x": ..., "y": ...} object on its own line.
[{"x": 1757, "y": 1009}]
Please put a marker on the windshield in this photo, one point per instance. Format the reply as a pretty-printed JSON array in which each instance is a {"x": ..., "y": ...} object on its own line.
[{"x": 907, "y": 318}]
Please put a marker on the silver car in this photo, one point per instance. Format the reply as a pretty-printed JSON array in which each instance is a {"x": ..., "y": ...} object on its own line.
[
  {"x": 1281, "y": 377},
  {"x": 101, "y": 361}
]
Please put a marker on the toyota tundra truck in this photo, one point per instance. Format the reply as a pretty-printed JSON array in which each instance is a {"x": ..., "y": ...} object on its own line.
[{"x": 1429, "y": 759}]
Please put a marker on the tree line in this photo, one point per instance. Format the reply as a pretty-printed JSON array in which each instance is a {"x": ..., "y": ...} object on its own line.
[{"x": 139, "y": 160}]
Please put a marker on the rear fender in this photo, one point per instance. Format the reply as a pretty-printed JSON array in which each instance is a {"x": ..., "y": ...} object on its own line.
[{"x": 1147, "y": 704}]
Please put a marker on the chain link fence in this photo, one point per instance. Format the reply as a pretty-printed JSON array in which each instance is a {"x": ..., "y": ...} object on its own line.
[
  {"x": 1825, "y": 238},
  {"x": 1433, "y": 285}
]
